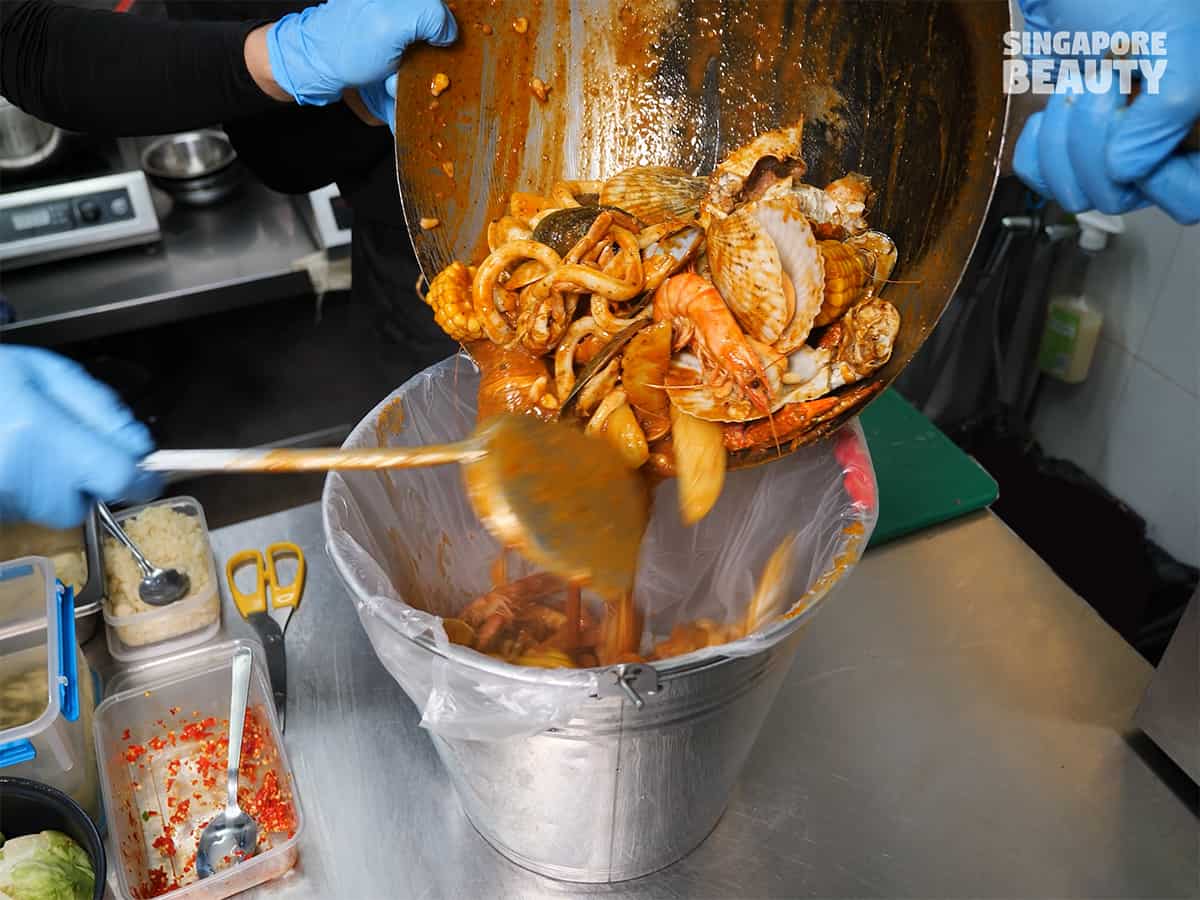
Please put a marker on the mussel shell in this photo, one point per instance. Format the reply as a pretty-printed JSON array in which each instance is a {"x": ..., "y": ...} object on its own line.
[
  {"x": 654, "y": 194},
  {"x": 597, "y": 363},
  {"x": 564, "y": 228}
]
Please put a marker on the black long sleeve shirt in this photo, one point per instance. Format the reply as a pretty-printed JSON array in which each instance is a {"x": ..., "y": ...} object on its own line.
[
  {"x": 105, "y": 73},
  {"x": 116, "y": 74}
]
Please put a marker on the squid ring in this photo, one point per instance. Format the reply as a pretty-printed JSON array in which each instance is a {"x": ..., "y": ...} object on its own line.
[
  {"x": 564, "y": 192},
  {"x": 648, "y": 237},
  {"x": 614, "y": 400},
  {"x": 494, "y": 324},
  {"x": 525, "y": 274},
  {"x": 595, "y": 234},
  {"x": 505, "y": 229},
  {"x": 564, "y": 356},
  {"x": 604, "y": 318},
  {"x": 592, "y": 281},
  {"x": 599, "y": 386}
]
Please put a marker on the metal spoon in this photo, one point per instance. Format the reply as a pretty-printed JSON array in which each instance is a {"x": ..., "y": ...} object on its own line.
[
  {"x": 158, "y": 587},
  {"x": 563, "y": 500},
  {"x": 232, "y": 836}
]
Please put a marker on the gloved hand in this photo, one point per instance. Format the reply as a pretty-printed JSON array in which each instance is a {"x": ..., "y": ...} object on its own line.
[
  {"x": 380, "y": 100},
  {"x": 65, "y": 439},
  {"x": 1091, "y": 151},
  {"x": 323, "y": 50}
]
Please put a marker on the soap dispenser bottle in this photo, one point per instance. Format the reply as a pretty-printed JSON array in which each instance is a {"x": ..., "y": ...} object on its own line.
[{"x": 1072, "y": 323}]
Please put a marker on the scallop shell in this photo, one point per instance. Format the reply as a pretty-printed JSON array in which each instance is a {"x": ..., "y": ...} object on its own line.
[
  {"x": 775, "y": 152},
  {"x": 852, "y": 193},
  {"x": 654, "y": 193},
  {"x": 766, "y": 265},
  {"x": 748, "y": 272},
  {"x": 805, "y": 268}
]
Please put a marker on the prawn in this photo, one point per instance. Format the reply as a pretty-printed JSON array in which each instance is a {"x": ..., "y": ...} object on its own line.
[{"x": 692, "y": 298}]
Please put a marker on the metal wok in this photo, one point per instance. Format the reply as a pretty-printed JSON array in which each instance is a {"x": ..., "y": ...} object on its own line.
[{"x": 908, "y": 93}]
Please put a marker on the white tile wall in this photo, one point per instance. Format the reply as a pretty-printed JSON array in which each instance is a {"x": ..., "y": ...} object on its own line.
[
  {"x": 1072, "y": 416},
  {"x": 1150, "y": 460},
  {"x": 1172, "y": 338},
  {"x": 1125, "y": 280},
  {"x": 1134, "y": 425}
]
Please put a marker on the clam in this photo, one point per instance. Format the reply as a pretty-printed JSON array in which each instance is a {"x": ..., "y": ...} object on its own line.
[
  {"x": 851, "y": 349},
  {"x": 654, "y": 194},
  {"x": 882, "y": 251},
  {"x": 765, "y": 262},
  {"x": 749, "y": 171}
]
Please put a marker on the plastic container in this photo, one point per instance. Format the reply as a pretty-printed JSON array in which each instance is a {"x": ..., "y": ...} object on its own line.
[
  {"x": 150, "y": 700},
  {"x": 30, "y": 807},
  {"x": 47, "y": 695},
  {"x": 1072, "y": 323},
  {"x": 168, "y": 629},
  {"x": 75, "y": 553}
]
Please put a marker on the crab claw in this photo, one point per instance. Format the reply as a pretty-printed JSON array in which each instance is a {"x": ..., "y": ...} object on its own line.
[{"x": 797, "y": 422}]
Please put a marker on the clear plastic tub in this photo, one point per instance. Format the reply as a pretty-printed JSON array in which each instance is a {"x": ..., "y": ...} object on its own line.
[
  {"x": 46, "y": 691},
  {"x": 75, "y": 553},
  {"x": 169, "y": 629},
  {"x": 146, "y": 777}
]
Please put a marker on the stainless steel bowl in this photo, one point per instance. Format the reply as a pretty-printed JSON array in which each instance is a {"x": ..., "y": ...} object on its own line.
[
  {"x": 25, "y": 142},
  {"x": 195, "y": 167}
]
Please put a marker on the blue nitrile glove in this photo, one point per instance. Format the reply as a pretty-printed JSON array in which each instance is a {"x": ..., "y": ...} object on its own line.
[
  {"x": 380, "y": 99},
  {"x": 1091, "y": 151},
  {"x": 65, "y": 439},
  {"x": 323, "y": 50}
]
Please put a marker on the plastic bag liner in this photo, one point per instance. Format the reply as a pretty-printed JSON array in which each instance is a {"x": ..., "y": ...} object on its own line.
[{"x": 410, "y": 549}]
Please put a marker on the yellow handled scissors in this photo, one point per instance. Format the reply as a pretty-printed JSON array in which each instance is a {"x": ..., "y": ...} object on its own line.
[
  {"x": 268, "y": 595},
  {"x": 268, "y": 608}
]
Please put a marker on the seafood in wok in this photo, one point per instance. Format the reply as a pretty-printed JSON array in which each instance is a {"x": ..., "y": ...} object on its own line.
[{"x": 683, "y": 318}]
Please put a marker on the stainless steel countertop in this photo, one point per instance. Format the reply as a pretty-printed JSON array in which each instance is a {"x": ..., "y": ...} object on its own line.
[
  {"x": 213, "y": 259},
  {"x": 956, "y": 723}
]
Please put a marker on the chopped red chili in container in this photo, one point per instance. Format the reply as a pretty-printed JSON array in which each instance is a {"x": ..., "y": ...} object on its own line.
[{"x": 169, "y": 809}]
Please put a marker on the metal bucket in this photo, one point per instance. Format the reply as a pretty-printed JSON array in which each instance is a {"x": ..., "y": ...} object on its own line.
[
  {"x": 590, "y": 775},
  {"x": 621, "y": 792}
]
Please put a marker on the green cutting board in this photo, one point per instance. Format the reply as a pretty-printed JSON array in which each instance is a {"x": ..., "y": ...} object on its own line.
[{"x": 923, "y": 477}]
